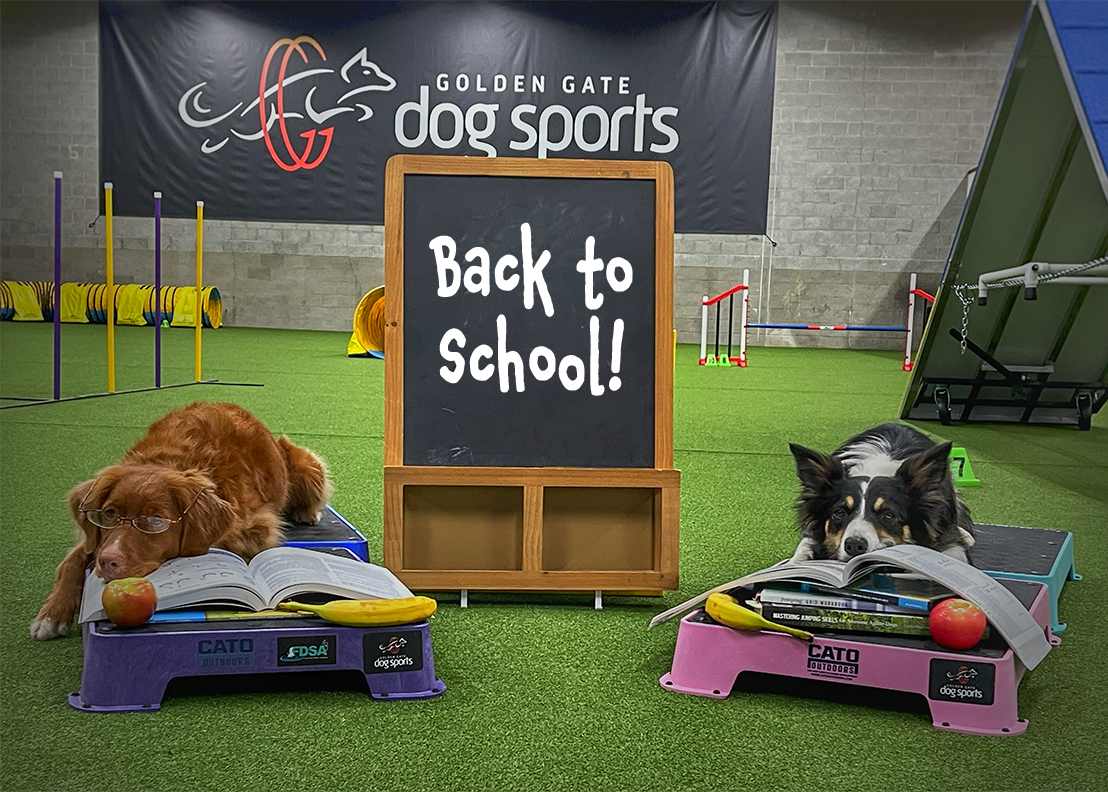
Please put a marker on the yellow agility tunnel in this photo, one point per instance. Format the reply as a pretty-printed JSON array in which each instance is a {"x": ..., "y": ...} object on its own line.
[
  {"x": 33, "y": 301},
  {"x": 368, "y": 339}
]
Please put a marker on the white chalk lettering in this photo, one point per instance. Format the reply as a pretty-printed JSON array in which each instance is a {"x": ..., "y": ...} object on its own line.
[
  {"x": 619, "y": 284},
  {"x": 506, "y": 357},
  {"x": 594, "y": 357},
  {"x": 542, "y": 362},
  {"x": 503, "y": 282},
  {"x": 532, "y": 274},
  {"x": 446, "y": 265},
  {"x": 589, "y": 266},
  {"x": 546, "y": 372},
  {"x": 578, "y": 379},
  {"x": 477, "y": 277},
  {"x": 617, "y": 350},
  {"x": 453, "y": 335},
  {"x": 509, "y": 366},
  {"x": 479, "y": 373}
]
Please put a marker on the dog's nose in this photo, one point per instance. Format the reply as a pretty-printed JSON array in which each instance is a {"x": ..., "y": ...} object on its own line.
[
  {"x": 112, "y": 565},
  {"x": 855, "y": 546}
]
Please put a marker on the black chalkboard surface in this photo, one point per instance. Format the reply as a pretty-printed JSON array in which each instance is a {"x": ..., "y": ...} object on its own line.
[{"x": 529, "y": 321}]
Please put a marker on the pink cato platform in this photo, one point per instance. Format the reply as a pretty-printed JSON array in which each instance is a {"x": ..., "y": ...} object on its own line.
[{"x": 972, "y": 691}]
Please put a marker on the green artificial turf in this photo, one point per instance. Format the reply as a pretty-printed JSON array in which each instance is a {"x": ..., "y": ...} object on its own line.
[{"x": 544, "y": 693}]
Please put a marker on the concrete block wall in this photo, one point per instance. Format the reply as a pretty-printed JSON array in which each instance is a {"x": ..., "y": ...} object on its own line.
[{"x": 880, "y": 110}]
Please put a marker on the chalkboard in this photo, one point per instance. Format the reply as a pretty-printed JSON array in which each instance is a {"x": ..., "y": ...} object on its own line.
[
  {"x": 529, "y": 375},
  {"x": 529, "y": 321}
]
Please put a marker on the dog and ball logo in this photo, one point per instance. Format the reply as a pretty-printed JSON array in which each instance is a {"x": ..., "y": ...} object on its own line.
[
  {"x": 314, "y": 650},
  {"x": 391, "y": 652},
  {"x": 964, "y": 682},
  {"x": 839, "y": 662},
  {"x": 359, "y": 76}
]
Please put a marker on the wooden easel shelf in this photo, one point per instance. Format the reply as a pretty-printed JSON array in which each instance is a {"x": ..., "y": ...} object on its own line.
[{"x": 534, "y": 529}]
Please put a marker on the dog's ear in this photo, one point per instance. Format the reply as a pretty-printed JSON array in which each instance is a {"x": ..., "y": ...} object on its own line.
[
  {"x": 816, "y": 470},
  {"x": 928, "y": 469},
  {"x": 207, "y": 517},
  {"x": 91, "y": 494}
]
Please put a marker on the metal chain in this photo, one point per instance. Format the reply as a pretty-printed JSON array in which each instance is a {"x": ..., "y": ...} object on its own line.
[{"x": 963, "y": 290}]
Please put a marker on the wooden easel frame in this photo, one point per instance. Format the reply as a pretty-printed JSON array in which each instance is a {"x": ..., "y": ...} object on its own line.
[{"x": 661, "y": 480}]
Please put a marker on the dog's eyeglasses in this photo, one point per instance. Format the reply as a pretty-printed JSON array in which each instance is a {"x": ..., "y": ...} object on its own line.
[{"x": 108, "y": 519}]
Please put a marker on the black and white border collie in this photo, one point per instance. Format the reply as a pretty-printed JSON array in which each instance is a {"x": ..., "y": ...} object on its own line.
[{"x": 886, "y": 486}]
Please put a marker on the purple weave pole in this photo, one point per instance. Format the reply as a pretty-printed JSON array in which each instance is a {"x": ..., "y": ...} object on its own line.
[
  {"x": 57, "y": 285},
  {"x": 157, "y": 290}
]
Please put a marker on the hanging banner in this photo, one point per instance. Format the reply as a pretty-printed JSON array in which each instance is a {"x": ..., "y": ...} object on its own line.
[{"x": 289, "y": 111}]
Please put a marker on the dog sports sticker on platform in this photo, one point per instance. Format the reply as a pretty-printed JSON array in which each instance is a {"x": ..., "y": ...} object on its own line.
[
  {"x": 314, "y": 650},
  {"x": 964, "y": 682},
  {"x": 385, "y": 652}
]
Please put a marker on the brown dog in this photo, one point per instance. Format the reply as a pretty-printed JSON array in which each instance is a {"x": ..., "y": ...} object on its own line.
[{"x": 205, "y": 475}]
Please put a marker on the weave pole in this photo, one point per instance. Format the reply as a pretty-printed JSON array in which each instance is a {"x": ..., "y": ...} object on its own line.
[
  {"x": 157, "y": 290},
  {"x": 199, "y": 278},
  {"x": 57, "y": 285},
  {"x": 110, "y": 305},
  {"x": 109, "y": 296}
]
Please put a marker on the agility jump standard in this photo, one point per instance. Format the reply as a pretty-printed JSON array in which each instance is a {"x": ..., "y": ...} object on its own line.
[{"x": 744, "y": 287}]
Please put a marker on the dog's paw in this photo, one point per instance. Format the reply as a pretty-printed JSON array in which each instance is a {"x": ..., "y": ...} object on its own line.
[
  {"x": 805, "y": 551},
  {"x": 304, "y": 517},
  {"x": 43, "y": 629}
]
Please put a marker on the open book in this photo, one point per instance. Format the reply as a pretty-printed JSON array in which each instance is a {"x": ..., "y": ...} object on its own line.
[
  {"x": 220, "y": 578},
  {"x": 1004, "y": 612}
]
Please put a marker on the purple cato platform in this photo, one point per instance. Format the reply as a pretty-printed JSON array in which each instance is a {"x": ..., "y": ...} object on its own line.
[
  {"x": 970, "y": 691},
  {"x": 127, "y": 670}
]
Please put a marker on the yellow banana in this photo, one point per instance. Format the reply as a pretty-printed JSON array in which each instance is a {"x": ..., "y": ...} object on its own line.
[
  {"x": 369, "y": 613},
  {"x": 726, "y": 610}
]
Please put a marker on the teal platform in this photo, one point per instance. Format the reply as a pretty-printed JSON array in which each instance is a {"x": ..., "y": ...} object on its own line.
[{"x": 1036, "y": 554}]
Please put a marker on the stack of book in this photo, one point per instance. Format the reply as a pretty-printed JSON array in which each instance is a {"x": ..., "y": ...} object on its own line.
[
  {"x": 879, "y": 602},
  {"x": 879, "y": 591}
]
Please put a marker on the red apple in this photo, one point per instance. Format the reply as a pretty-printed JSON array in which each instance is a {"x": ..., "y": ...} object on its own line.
[
  {"x": 130, "y": 602},
  {"x": 957, "y": 623}
]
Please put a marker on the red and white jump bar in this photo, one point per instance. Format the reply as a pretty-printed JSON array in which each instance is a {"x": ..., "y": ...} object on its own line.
[{"x": 744, "y": 287}]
